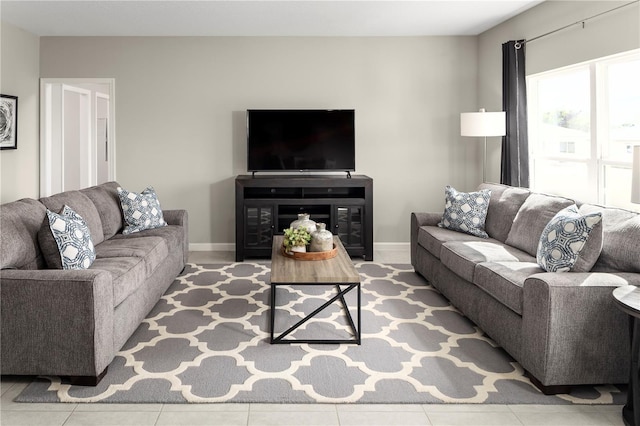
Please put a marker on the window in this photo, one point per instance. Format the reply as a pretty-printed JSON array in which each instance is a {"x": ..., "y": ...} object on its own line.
[{"x": 583, "y": 123}]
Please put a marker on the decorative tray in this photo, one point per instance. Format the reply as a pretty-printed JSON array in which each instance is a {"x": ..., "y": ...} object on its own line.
[{"x": 312, "y": 255}]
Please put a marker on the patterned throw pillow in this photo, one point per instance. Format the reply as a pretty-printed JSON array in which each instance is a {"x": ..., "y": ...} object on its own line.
[
  {"x": 466, "y": 212},
  {"x": 141, "y": 211},
  {"x": 73, "y": 239},
  {"x": 563, "y": 239}
]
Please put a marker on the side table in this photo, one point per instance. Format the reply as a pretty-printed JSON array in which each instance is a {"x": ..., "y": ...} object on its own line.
[{"x": 628, "y": 300}]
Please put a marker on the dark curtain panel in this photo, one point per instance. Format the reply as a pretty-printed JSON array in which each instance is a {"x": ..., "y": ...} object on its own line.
[{"x": 514, "y": 167}]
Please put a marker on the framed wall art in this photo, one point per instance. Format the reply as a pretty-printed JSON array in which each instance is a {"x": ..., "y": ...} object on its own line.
[{"x": 8, "y": 122}]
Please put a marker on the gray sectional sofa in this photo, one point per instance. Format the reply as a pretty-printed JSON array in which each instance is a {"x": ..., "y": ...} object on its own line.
[
  {"x": 71, "y": 323},
  {"x": 562, "y": 327}
]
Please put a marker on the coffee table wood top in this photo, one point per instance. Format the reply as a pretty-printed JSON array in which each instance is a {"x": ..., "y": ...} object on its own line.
[{"x": 337, "y": 270}]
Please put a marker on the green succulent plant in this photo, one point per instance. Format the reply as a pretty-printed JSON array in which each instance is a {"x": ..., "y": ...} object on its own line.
[{"x": 296, "y": 237}]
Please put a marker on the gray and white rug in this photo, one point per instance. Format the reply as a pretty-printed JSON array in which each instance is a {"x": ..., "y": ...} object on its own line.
[{"x": 207, "y": 340}]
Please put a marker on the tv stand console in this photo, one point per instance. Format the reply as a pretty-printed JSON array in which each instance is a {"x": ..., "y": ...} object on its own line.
[{"x": 266, "y": 205}]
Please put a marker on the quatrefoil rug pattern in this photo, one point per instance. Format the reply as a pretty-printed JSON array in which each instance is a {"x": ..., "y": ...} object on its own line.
[{"x": 207, "y": 341}]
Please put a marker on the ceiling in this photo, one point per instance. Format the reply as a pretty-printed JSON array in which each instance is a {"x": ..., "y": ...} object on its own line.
[{"x": 260, "y": 18}]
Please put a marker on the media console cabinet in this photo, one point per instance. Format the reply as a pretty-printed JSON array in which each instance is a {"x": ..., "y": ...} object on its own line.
[{"x": 266, "y": 205}]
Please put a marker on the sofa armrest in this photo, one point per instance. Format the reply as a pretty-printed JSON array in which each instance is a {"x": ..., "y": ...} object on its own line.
[
  {"x": 418, "y": 220},
  {"x": 572, "y": 331},
  {"x": 179, "y": 218},
  {"x": 56, "y": 322},
  {"x": 176, "y": 217}
]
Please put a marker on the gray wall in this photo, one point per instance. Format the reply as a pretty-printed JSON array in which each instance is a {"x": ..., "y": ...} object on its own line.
[
  {"x": 612, "y": 33},
  {"x": 19, "y": 76},
  {"x": 180, "y": 106}
]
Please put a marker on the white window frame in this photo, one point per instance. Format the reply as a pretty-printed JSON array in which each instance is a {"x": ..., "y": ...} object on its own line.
[{"x": 599, "y": 125}]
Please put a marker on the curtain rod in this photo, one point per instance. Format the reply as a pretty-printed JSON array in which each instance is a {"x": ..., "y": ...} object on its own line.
[{"x": 582, "y": 21}]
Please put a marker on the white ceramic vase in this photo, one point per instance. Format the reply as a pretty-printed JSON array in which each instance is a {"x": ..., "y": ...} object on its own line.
[
  {"x": 298, "y": 249},
  {"x": 304, "y": 221},
  {"x": 322, "y": 239}
]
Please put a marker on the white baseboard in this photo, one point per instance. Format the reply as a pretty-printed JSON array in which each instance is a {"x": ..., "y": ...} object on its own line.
[
  {"x": 212, "y": 247},
  {"x": 232, "y": 246},
  {"x": 391, "y": 246}
]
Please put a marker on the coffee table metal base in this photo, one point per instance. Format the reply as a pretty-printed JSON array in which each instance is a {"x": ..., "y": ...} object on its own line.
[{"x": 341, "y": 292}]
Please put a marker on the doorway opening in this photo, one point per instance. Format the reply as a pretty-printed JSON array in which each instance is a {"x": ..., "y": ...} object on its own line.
[{"x": 77, "y": 140}]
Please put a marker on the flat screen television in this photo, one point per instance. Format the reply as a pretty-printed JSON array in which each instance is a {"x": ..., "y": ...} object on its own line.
[{"x": 300, "y": 140}]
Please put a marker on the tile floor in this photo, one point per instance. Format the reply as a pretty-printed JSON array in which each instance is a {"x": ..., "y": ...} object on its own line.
[{"x": 12, "y": 413}]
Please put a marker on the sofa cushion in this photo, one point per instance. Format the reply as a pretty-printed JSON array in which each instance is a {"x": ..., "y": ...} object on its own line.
[
  {"x": 141, "y": 210},
  {"x": 465, "y": 212},
  {"x": 20, "y": 222},
  {"x": 82, "y": 205},
  {"x": 153, "y": 250},
  {"x": 535, "y": 213},
  {"x": 105, "y": 198},
  {"x": 505, "y": 280},
  {"x": 462, "y": 257},
  {"x": 564, "y": 238},
  {"x": 174, "y": 235},
  {"x": 72, "y": 247},
  {"x": 621, "y": 234},
  {"x": 127, "y": 275},
  {"x": 432, "y": 238},
  {"x": 503, "y": 207}
]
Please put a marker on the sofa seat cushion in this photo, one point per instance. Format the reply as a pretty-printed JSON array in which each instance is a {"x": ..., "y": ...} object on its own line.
[
  {"x": 153, "y": 250},
  {"x": 505, "y": 280},
  {"x": 127, "y": 275},
  {"x": 174, "y": 235},
  {"x": 461, "y": 257},
  {"x": 432, "y": 238}
]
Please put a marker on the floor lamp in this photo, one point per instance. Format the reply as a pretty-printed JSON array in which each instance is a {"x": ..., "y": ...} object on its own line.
[
  {"x": 635, "y": 179},
  {"x": 483, "y": 124}
]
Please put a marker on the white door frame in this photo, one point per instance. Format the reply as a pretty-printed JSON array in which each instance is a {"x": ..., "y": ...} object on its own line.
[
  {"x": 102, "y": 96},
  {"x": 86, "y": 154},
  {"x": 49, "y": 134}
]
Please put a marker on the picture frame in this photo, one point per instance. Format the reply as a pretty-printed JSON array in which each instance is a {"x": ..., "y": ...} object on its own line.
[{"x": 8, "y": 122}]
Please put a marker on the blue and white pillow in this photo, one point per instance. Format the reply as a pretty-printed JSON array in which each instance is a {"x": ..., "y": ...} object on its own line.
[
  {"x": 466, "y": 212},
  {"x": 141, "y": 210},
  {"x": 563, "y": 239},
  {"x": 73, "y": 239}
]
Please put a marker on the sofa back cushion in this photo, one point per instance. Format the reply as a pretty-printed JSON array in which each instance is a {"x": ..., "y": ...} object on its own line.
[
  {"x": 620, "y": 240},
  {"x": 503, "y": 207},
  {"x": 105, "y": 198},
  {"x": 82, "y": 205},
  {"x": 19, "y": 224},
  {"x": 533, "y": 216}
]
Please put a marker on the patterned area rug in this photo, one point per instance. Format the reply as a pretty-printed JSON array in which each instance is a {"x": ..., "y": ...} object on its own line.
[{"x": 207, "y": 340}]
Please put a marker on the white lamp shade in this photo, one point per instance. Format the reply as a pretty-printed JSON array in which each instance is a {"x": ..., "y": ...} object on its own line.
[
  {"x": 483, "y": 123},
  {"x": 635, "y": 179}
]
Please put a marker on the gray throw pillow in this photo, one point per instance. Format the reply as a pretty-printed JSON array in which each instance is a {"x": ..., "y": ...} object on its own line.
[
  {"x": 465, "y": 212},
  {"x": 564, "y": 238}
]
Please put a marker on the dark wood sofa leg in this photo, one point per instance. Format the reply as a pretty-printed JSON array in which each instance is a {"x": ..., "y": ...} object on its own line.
[
  {"x": 85, "y": 380},
  {"x": 548, "y": 390}
]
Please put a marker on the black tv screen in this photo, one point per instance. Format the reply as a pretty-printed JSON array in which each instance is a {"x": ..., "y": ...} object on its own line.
[{"x": 288, "y": 140}]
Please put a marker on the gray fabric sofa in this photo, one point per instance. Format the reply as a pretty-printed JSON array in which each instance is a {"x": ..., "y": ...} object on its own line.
[
  {"x": 563, "y": 328},
  {"x": 71, "y": 323}
]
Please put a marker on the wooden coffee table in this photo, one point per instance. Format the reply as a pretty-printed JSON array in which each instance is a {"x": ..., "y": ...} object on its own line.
[{"x": 338, "y": 272}]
